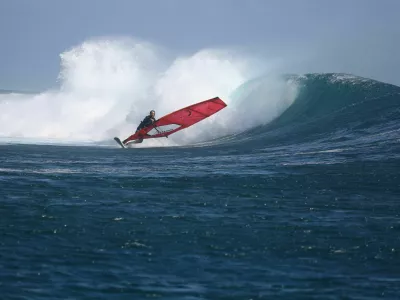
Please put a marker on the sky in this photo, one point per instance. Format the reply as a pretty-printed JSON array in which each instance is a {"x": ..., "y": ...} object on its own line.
[{"x": 358, "y": 36}]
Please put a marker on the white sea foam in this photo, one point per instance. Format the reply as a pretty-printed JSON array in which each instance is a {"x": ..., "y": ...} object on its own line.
[{"x": 108, "y": 86}]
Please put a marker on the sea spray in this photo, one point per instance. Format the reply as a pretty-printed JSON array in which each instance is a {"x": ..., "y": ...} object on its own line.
[{"x": 107, "y": 86}]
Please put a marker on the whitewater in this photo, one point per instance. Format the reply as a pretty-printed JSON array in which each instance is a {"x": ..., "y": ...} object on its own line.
[{"x": 106, "y": 87}]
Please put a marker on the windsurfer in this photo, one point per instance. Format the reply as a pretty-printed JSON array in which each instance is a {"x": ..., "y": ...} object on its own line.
[
  {"x": 173, "y": 122},
  {"x": 147, "y": 121}
]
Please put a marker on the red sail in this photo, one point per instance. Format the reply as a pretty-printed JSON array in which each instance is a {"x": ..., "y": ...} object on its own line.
[{"x": 180, "y": 119}]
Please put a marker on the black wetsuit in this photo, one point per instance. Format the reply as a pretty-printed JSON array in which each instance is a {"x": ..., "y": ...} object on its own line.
[{"x": 146, "y": 122}]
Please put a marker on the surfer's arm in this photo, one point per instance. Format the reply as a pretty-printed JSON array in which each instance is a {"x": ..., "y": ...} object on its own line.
[
  {"x": 151, "y": 121},
  {"x": 148, "y": 121}
]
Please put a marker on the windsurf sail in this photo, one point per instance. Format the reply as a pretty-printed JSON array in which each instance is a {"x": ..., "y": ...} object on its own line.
[{"x": 178, "y": 120}]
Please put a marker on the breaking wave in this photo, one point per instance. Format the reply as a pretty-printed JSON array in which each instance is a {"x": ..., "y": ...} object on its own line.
[{"x": 108, "y": 86}]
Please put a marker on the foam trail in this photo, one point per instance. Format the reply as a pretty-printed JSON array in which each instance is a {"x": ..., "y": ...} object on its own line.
[{"x": 108, "y": 86}]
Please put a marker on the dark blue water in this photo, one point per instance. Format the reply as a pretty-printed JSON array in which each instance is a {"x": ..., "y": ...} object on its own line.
[{"x": 305, "y": 207}]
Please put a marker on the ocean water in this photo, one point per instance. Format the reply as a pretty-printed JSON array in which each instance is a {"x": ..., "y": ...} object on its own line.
[{"x": 298, "y": 199}]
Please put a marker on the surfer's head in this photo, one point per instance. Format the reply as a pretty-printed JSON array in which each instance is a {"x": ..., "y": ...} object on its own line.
[{"x": 152, "y": 113}]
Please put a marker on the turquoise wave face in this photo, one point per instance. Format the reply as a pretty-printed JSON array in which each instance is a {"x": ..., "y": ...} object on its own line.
[{"x": 328, "y": 107}]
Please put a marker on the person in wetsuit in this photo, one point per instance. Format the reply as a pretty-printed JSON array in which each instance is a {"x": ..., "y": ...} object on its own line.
[{"x": 147, "y": 121}]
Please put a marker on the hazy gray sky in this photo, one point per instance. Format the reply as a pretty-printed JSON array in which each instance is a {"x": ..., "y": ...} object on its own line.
[{"x": 356, "y": 36}]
